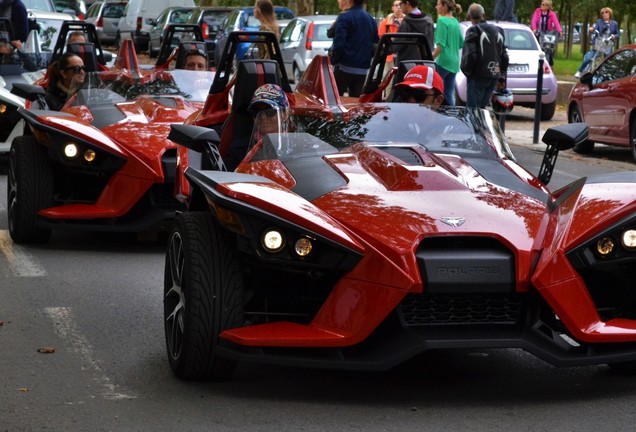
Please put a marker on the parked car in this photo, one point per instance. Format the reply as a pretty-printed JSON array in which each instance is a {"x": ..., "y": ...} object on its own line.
[
  {"x": 105, "y": 16},
  {"x": 139, "y": 17},
  {"x": 523, "y": 51},
  {"x": 242, "y": 19},
  {"x": 48, "y": 19},
  {"x": 303, "y": 39},
  {"x": 605, "y": 99},
  {"x": 73, "y": 7},
  {"x": 171, "y": 15},
  {"x": 210, "y": 19}
]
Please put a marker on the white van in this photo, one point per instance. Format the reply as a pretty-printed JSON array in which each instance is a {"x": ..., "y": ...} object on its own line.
[{"x": 138, "y": 19}]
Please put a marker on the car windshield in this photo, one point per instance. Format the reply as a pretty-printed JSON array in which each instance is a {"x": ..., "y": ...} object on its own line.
[
  {"x": 101, "y": 88},
  {"x": 43, "y": 5},
  {"x": 469, "y": 133}
]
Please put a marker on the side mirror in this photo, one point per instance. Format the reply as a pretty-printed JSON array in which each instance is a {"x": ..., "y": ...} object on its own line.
[
  {"x": 193, "y": 137},
  {"x": 151, "y": 21},
  {"x": 28, "y": 91},
  {"x": 562, "y": 137},
  {"x": 586, "y": 78}
]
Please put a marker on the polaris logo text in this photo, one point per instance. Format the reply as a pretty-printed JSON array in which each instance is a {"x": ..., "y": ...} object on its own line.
[{"x": 465, "y": 272}]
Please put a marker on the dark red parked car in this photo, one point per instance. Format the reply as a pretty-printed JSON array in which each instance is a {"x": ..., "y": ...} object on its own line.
[{"x": 605, "y": 99}]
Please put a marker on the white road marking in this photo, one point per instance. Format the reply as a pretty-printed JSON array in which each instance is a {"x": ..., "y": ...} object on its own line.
[
  {"x": 65, "y": 328},
  {"x": 21, "y": 262}
]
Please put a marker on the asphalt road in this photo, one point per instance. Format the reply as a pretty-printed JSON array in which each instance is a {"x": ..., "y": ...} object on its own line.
[{"x": 95, "y": 301}]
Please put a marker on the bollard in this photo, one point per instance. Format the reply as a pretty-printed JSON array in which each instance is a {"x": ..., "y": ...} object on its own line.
[{"x": 537, "y": 103}]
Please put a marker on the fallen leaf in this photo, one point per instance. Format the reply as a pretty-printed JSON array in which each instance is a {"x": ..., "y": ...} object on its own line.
[
  {"x": 23, "y": 389},
  {"x": 46, "y": 350}
]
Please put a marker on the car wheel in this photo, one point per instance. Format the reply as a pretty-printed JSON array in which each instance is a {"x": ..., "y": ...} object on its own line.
[
  {"x": 203, "y": 295},
  {"x": 297, "y": 74},
  {"x": 574, "y": 116},
  {"x": 29, "y": 189},
  {"x": 632, "y": 138},
  {"x": 151, "y": 50},
  {"x": 547, "y": 111}
]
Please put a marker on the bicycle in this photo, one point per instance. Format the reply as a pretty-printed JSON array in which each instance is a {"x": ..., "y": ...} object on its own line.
[
  {"x": 548, "y": 41},
  {"x": 603, "y": 46}
]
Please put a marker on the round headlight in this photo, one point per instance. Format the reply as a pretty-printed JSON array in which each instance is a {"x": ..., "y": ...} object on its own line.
[
  {"x": 303, "y": 246},
  {"x": 272, "y": 240},
  {"x": 70, "y": 150},
  {"x": 629, "y": 239},
  {"x": 89, "y": 155},
  {"x": 605, "y": 246}
]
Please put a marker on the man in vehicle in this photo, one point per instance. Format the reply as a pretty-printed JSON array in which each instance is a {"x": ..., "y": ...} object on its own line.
[
  {"x": 195, "y": 60},
  {"x": 422, "y": 85},
  {"x": 266, "y": 98}
]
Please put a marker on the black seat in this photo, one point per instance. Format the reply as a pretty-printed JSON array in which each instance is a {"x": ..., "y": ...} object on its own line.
[
  {"x": 87, "y": 53},
  {"x": 187, "y": 47},
  {"x": 237, "y": 129},
  {"x": 403, "y": 68}
]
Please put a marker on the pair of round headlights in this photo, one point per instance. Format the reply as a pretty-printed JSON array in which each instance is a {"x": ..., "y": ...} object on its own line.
[
  {"x": 606, "y": 245},
  {"x": 273, "y": 240}
]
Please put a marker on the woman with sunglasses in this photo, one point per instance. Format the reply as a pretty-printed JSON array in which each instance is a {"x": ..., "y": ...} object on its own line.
[
  {"x": 67, "y": 76},
  {"x": 545, "y": 19}
]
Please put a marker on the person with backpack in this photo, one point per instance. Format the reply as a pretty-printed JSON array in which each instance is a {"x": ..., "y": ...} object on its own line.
[
  {"x": 415, "y": 21},
  {"x": 484, "y": 58}
]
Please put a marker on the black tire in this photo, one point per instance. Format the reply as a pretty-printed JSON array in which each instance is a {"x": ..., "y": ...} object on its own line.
[
  {"x": 574, "y": 116},
  {"x": 632, "y": 138},
  {"x": 203, "y": 295},
  {"x": 151, "y": 50},
  {"x": 29, "y": 189},
  {"x": 547, "y": 111},
  {"x": 297, "y": 74}
]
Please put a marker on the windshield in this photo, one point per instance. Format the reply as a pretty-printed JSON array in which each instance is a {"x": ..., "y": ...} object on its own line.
[
  {"x": 475, "y": 133},
  {"x": 101, "y": 88}
]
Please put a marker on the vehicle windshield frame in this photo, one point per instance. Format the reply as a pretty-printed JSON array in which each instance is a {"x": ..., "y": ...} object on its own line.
[{"x": 464, "y": 132}]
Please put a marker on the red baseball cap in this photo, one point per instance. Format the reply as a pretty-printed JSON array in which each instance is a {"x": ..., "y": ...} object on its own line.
[{"x": 423, "y": 77}]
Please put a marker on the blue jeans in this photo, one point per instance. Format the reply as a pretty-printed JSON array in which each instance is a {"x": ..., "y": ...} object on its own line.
[
  {"x": 479, "y": 91},
  {"x": 449, "y": 84},
  {"x": 587, "y": 59}
]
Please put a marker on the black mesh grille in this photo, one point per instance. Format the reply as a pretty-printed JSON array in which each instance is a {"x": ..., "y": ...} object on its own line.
[{"x": 426, "y": 309}]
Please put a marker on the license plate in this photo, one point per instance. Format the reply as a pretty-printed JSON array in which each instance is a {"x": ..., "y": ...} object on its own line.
[{"x": 518, "y": 68}]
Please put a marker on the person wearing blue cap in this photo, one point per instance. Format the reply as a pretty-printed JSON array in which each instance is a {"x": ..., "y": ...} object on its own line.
[{"x": 264, "y": 107}]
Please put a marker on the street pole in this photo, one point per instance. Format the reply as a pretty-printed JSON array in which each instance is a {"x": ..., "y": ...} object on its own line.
[{"x": 537, "y": 103}]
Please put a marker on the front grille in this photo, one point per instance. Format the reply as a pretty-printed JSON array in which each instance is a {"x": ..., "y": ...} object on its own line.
[{"x": 443, "y": 309}]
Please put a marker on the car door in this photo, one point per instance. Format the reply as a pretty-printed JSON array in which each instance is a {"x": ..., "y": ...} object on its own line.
[
  {"x": 608, "y": 101},
  {"x": 290, "y": 42}
]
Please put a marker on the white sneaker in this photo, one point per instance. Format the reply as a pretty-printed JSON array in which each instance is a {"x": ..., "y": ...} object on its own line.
[{"x": 577, "y": 74}]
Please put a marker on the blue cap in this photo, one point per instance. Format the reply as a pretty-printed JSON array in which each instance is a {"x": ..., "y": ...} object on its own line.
[{"x": 269, "y": 94}]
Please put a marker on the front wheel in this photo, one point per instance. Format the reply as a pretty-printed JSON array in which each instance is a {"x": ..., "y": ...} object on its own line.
[
  {"x": 29, "y": 190},
  {"x": 203, "y": 295},
  {"x": 574, "y": 116}
]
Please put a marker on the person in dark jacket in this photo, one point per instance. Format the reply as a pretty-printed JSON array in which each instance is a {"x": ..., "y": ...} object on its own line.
[
  {"x": 16, "y": 11},
  {"x": 67, "y": 76},
  {"x": 484, "y": 58},
  {"x": 356, "y": 34},
  {"x": 415, "y": 21}
]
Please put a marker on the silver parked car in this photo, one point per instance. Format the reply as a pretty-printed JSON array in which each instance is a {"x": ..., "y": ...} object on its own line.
[
  {"x": 104, "y": 15},
  {"x": 523, "y": 51},
  {"x": 304, "y": 38}
]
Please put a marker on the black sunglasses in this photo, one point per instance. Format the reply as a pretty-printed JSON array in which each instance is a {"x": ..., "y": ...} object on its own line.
[
  {"x": 76, "y": 69},
  {"x": 418, "y": 96}
]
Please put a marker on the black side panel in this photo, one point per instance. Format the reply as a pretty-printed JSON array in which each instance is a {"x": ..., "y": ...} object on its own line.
[
  {"x": 498, "y": 174},
  {"x": 314, "y": 177}
]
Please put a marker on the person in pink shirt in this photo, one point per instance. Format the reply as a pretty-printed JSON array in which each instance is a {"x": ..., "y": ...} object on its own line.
[{"x": 545, "y": 19}]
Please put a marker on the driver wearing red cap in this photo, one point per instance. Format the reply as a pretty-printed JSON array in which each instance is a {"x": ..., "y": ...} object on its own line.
[{"x": 423, "y": 85}]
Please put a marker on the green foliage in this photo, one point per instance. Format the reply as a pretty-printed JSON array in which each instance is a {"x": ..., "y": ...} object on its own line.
[{"x": 567, "y": 66}]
